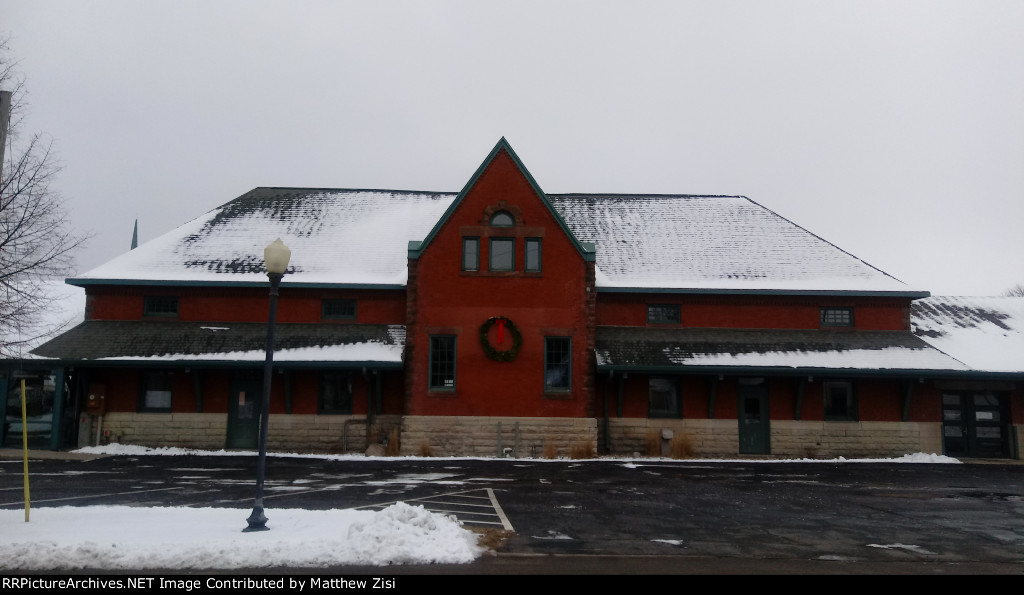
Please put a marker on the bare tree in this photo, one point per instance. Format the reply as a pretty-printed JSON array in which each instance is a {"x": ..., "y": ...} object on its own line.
[
  {"x": 1015, "y": 291},
  {"x": 36, "y": 240}
]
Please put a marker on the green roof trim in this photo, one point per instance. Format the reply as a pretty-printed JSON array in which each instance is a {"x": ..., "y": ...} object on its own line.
[
  {"x": 808, "y": 292},
  {"x": 182, "y": 283},
  {"x": 816, "y": 372},
  {"x": 502, "y": 144}
]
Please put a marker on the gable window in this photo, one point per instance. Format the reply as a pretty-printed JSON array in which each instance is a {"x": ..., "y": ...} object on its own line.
[
  {"x": 339, "y": 309},
  {"x": 663, "y": 314},
  {"x": 165, "y": 306},
  {"x": 533, "y": 255},
  {"x": 557, "y": 363},
  {"x": 335, "y": 393},
  {"x": 663, "y": 397},
  {"x": 836, "y": 316},
  {"x": 502, "y": 219},
  {"x": 470, "y": 254},
  {"x": 503, "y": 254},
  {"x": 840, "y": 402},
  {"x": 442, "y": 362},
  {"x": 155, "y": 392}
]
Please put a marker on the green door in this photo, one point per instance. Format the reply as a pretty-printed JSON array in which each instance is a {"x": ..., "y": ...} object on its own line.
[
  {"x": 244, "y": 412},
  {"x": 753, "y": 416}
]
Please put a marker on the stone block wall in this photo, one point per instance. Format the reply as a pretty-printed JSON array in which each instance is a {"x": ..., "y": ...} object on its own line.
[
  {"x": 286, "y": 433},
  {"x": 864, "y": 439},
  {"x": 534, "y": 436},
  {"x": 654, "y": 437},
  {"x": 789, "y": 438},
  {"x": 185, "y": 430},
  {"x": 490, "y": 436}
]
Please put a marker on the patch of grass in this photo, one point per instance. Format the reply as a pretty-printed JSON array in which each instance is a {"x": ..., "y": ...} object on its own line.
[
  {"x": 394, "y": 446},
  {"x": 582, "y": 450},
  {"x": 425, "y": 450},
  {"x": 681, "y": 446},
  {"x": 550, "y": 450}
]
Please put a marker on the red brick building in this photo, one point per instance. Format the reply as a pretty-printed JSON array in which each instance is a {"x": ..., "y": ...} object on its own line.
[{"x": 502, "y": 321}]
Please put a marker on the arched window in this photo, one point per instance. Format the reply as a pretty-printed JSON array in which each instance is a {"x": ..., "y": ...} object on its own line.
[{"x": 502, "y": 219}]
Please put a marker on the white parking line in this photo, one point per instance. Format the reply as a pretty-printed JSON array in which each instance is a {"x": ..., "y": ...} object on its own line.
[{"x": 34, "y": 500}]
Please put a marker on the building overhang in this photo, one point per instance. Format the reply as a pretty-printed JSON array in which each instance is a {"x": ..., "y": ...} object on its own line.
[
  {"x": 201, "y": 344},
  {"x": 778, "y": 292},
  {"x": 90, "y": 282}
]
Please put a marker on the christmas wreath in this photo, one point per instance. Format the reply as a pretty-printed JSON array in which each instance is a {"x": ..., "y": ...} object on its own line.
[{"x": 504, "y": 324}]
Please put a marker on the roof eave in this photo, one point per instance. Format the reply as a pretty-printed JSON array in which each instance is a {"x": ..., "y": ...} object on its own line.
[
  {"x": 217, "y": 363},
  {"x": 910, "y": 294},
  {"x": 806, "y": 371},
  {"x": 87, "y": 282}
]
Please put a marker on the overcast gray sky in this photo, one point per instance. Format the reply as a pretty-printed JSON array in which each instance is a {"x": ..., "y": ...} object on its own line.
[{"x": 893, "y": 129}]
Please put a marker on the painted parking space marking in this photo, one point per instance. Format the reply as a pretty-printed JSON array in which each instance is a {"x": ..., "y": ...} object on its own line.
[
  {"x": 133, "y": 492},
  {"x": 473, "y": 507}
]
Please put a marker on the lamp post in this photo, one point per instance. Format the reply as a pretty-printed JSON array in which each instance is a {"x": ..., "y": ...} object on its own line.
[{"x": 276, "y": 256}]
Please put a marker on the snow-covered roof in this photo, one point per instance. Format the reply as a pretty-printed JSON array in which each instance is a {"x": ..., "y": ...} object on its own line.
[
  {"x": 654, "y": 349},
  {"x": 145, "y": 341},
  {"x": 986, "y": 333},
  {"x": 360, "y": 237}
]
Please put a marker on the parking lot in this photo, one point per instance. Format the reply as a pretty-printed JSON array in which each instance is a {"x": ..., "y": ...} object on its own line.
[{"x": 679, "y": 516}]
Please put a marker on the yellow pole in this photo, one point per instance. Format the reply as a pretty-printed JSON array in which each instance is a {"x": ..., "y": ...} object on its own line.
[{"x": 24, "y": 444}]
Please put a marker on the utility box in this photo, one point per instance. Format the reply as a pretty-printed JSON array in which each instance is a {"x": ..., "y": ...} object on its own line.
[{"x": 96, "y": 403}]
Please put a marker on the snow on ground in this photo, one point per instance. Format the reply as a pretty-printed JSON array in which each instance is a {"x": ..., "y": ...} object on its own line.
[{"x": 125, "y": 538}]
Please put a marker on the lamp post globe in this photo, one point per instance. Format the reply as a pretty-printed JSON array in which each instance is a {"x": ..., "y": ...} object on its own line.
[{"x": 276, "y": 257}]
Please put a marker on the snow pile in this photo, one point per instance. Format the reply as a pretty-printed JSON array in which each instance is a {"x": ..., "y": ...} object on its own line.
[{"x": 124, "y": 538}]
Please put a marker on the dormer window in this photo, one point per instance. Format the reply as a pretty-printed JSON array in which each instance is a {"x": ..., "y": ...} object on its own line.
[
  {"x": 502, "y": 219},
  {"x": 164, "y": 306},
  {"x": 837, "y": 317}
]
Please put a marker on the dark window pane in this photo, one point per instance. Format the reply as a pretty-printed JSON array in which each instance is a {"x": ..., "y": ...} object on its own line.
[
  {"x": 502, "y": 219},
  {"x": 470, "y": 254},
  {"x": 557, "y": 363},
  {"x": 839, "y": 403},
  {"x": 503, "y": 254},
  {"x": 336, "y": 393},
  {"x": 442, "y": 362},
  {"x": 837, "y": 317},
  {"x": 160, "y": 306},
  {"x": 339, "y": 309},
  {"x": 663, "y": 313},
  {"x": 663, "y": 397},
  {"x": 533, "y": 255}
]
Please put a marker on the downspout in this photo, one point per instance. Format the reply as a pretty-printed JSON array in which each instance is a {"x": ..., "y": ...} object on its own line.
[{"x": 607, "y": 446}]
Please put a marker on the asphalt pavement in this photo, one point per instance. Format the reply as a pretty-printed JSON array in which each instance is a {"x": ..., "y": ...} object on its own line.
[{"x": 606, "y": 516}]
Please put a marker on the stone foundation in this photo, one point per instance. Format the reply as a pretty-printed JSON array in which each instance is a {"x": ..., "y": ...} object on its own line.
[
  {"x": 185, "y": 430},
  {"x": 537, "y": 437},
  {"x": 789, "y": 438},
  {"x": 285, "y": 433},
  {"x": 533, "y": 437}
]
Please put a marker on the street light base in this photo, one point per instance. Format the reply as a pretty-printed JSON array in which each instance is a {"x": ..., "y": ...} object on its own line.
[{"x": 257, "y": 521}]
